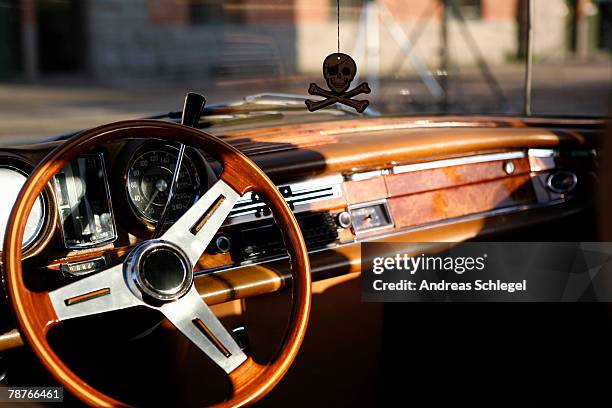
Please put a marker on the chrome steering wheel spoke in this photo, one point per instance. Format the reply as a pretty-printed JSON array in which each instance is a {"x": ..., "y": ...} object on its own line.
[
  {"x": 102, "y": 292},
  {"x": 194, "y": 230},
  {"x": 194, "y": 319}
]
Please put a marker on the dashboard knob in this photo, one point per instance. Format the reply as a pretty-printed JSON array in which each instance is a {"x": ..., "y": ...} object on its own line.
[
  {"x": 344, "y": 219},
  {"x": 562, "y": 181},
  {"x": 509, "y": 168},
  {"x": 223, "y": 244}
]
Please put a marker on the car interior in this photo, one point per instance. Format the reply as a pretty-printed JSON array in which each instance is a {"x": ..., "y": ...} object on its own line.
[{"x": 212, "y": 255}]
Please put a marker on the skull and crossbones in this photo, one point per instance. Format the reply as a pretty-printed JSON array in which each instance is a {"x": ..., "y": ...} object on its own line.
[{"x": 339, "y": 70}]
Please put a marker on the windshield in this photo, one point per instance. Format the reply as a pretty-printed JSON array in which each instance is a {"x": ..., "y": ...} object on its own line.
[{"x": 68, "y": 65}]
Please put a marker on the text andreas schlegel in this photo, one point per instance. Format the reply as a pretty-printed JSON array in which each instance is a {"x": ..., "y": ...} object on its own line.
[{"x": 459, "y": 265}]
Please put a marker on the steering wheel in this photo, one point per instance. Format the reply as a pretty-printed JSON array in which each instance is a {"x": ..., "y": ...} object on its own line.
[{"x": 158, "y": 273}]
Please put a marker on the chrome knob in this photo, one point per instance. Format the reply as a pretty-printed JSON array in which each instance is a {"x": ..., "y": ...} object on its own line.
[
  {"x": 223, "y": 244},
  {"x": 509, "y": 168},
  {"x": 344, "y": 219},
  {"x": 562, "y": 181}
]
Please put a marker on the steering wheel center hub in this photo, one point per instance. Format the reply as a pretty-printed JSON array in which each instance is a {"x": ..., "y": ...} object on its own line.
[{"x": 159, "y": 270}]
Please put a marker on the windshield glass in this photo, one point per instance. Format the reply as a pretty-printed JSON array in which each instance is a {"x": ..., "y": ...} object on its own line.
[{"x": 67, "y": 65}]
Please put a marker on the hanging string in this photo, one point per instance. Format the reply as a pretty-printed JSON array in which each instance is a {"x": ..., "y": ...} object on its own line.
[{"x": 338, "y": 14}]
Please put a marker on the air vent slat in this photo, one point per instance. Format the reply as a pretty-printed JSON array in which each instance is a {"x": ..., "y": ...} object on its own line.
[{"x": 299, "y": 194}]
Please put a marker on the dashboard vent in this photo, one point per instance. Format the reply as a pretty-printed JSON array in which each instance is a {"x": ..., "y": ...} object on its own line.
[
  {"x": 263, "y": 239},
  {"x": 299, "y": 196}
]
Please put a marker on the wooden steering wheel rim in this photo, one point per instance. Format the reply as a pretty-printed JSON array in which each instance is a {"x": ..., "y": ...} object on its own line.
[{"x": 33, "y": 310}]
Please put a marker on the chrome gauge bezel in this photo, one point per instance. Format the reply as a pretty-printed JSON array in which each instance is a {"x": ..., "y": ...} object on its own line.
[
  {"x": 48, "y": 220},
  {"x": 41, "y": 222}
]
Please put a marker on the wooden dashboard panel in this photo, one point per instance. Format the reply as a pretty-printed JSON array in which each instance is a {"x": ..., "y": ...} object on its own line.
[
  {"x": 415, "y": 209},
  {"x": 365, "y": 190}
]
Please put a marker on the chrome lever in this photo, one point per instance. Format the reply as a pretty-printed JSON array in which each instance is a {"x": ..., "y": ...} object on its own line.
[{"x": 192, "y": 110}]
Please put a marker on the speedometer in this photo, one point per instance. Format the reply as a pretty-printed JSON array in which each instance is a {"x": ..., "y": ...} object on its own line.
[{"x": 148, "y": 183}]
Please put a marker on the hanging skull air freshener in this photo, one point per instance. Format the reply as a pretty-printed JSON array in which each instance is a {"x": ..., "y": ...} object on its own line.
[{"x": 339, "y": 70}]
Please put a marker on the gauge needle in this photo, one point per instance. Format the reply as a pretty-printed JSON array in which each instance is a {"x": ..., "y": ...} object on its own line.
[
  {"x": 160, "y": 185},
  {"x": 151, "y": 200}
]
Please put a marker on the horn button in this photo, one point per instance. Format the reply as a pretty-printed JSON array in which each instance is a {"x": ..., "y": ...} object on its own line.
[{"x": 160, "y": 271}]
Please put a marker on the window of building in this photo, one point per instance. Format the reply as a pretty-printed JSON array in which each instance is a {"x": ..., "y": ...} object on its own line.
[
  {"x": 201, "y": 13},
  {"x": 206, "y": 12},
  {"x": 469, "y": 9}
]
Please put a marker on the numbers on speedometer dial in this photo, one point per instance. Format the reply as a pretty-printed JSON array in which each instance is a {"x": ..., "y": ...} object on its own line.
[{"x": 148, "y": 183}]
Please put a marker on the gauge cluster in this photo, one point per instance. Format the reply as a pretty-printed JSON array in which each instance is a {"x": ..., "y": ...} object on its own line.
[{"x": 106, "y": 194}]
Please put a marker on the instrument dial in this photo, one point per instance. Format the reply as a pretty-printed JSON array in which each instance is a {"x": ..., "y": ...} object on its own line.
[
  {"x": 12, "y": 180},
  {"x": 371, "y": 216},
  {"x": 148, "y": 183}
]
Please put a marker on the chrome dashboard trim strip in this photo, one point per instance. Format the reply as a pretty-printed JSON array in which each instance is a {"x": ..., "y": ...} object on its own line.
[
  {"x": 542, "y": 159},
  {"x": 367, "y": 175},
  {"x": 458, "y": 161},
  {"x": 542, "y": 153},
  {"x": 533, "y": 154}
]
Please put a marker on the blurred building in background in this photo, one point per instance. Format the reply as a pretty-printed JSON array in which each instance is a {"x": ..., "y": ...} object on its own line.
[{"x": 118, "y": 40}]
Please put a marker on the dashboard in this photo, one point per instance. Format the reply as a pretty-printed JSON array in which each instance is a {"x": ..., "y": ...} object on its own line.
[{"x": 347, "y": 182}]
